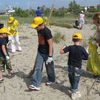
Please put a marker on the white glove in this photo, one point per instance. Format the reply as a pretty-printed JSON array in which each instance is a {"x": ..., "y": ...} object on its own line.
[
  {"x": 49, "y": 60},
  {"x": 7, "y": 57}
]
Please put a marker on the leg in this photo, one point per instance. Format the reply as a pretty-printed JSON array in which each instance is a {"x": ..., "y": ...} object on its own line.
[
  {"x": 1, "y": 76},
  {"x": 12, "y": 44},
  {"x": 50, "y": 72},
  {"x": 1, "y": 65},
  {"x": 17, "y": 43},
  {"x": 71, "y": 75},
  {"x": 77, "y": 78},
  {"x": 37, "y": 74},
  {"x": 8, "y": 66}
]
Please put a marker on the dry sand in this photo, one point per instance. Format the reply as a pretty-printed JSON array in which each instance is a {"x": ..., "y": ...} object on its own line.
[{"x": 15, "y": 88}]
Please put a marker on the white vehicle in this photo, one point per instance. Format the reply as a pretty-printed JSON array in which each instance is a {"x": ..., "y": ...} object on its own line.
[{"x": 10, "y": 10}]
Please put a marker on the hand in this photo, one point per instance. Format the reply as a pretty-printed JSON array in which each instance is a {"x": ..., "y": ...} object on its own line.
[
  {"x": 49, "y": 60},
  {"x": 7, "y": 57}
]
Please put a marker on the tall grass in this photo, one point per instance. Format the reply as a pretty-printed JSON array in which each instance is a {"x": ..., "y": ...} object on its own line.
[{"x": 58, "y": 37}]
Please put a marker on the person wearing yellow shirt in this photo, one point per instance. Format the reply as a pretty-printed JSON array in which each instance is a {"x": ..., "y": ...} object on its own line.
[{"x": 14, "y": 43}]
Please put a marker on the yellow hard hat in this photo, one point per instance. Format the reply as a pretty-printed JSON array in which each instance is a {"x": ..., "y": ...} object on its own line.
[
  {"x": 77, "y": 36},
  {"x": 11, "y": 19},
  {"x": 4, "y": 30},
  {"x": 37, "y": 21}
]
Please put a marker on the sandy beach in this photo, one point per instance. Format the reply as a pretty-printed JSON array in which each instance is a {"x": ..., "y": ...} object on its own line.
[{"x": 15, "y": 88}]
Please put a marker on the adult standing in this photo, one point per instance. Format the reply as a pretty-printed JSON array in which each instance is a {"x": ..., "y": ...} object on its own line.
[
  {"x": 81, "y": 19},
  {"x": 38, "y": 12},
  {"x": 44, "y": 54},
  {"x": 14, "y": 37}
]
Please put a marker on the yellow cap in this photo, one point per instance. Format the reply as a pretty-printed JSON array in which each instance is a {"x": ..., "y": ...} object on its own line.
[
  {"x": 37, "y": 21},
  {"x": 77, "y": 36},
  {"x": 11, "y": 19},
  {"x": 4, "y": 30},
  {"x": 16, "y": 23}
]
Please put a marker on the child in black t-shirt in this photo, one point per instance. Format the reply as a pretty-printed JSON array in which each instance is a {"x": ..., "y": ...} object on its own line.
[
  {"x": 76, "y": 54},
  {"x": 4, "y": 56}
]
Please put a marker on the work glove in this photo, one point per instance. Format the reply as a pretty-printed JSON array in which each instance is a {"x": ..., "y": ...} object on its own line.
[
  {"x": 49, "y": 60},
  {"x": 7, "y": 58}
]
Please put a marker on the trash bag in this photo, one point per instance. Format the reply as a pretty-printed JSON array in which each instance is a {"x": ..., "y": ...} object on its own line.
[{"x": 93, "y": 63}]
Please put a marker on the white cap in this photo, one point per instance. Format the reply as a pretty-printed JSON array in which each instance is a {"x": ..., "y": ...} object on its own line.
[{"x": 82, "y": 11}]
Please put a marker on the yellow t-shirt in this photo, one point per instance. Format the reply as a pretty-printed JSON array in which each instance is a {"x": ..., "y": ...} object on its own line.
[{"x": 13, "y": 27}]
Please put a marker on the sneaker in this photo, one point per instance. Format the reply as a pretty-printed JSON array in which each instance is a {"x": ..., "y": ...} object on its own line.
[
  {"x": 49, "y": 83},
  {"x": 32, "y": 87},
  {"x": 74, "y": 96},
  {"x": 78, "y": 94},
  {"x": 19, "y": 50}
]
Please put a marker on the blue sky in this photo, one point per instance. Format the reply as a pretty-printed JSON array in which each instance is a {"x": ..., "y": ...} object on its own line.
[{"x": 34, "y": 3}]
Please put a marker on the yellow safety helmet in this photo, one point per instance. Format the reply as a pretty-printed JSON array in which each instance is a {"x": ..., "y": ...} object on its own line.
[
  {"x": 77, "y": 36},
  {"x": 4, "y": 31},
  {"x": 11, "y": 19},
  {"x": 37, "y": 21}
]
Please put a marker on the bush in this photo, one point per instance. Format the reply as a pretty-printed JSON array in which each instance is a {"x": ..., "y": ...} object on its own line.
[
  {"x": 58, "y": 37},
  {"x": 23, "y": 13},
  {"x": 61, "y": 24}
]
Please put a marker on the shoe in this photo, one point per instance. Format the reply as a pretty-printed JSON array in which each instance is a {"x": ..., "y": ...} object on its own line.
[
  {"x": 32, "y": 87},
  {"x": 78, "y": 94},
  {"x": 74, "y": 96},
  {"x": 48, "y": 83},
  {"x": 19, "y": 50},
  {"x": 11, "y": 73}
]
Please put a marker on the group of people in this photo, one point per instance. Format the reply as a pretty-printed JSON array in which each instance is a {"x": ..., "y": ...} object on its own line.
[
  {"x": 77, "y": 53},
  {"x": 45, "y": 55},
  {"x": 9, "y": 41}
]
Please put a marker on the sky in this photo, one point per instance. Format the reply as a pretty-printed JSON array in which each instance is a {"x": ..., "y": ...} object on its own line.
[{"x": 48, "y": 3}]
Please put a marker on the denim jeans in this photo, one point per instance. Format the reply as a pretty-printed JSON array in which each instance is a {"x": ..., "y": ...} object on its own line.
[
  {"x": 37, "y": 74},
  {"x": 74, "y": 74}
]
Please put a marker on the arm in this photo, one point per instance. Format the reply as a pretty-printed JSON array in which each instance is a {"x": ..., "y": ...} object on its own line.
[
  {"x": 50, "y": 43},
  {"x": 4, "y": 50},
  {"x": 5, "y": 53},
  {"x": 62, "y": 50},
  {"x": 84, "y": 54}
]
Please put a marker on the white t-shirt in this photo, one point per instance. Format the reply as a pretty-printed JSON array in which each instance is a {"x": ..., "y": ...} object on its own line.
[{"x": 82, "y": 16}]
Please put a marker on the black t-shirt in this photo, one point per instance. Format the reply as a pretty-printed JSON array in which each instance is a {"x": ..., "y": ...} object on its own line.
[
  {"x": 3, "y": 41},
  {"x": 76, "y": 54},
  {"x": 43, "y": 36}
]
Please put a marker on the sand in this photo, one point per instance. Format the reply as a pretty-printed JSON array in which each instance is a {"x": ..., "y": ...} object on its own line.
[{"x": 15, "y": 88}]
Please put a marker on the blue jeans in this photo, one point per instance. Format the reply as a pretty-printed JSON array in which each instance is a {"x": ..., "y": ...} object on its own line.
[
  {"x": 37, "y": 74},
  {"x": 74, "y": 74}
]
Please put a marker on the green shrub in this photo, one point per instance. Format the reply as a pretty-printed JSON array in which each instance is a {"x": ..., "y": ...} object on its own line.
[{"x": 58, "y": 37}]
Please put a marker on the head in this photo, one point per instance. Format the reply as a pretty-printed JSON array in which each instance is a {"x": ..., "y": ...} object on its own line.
[
  {"x": 77, "y": 37},
  {"x": 4, "y": 32},
  {"x": 11, "y": 20},
  {"x": 38, "y": 7},
  {"x": 96, "y": 19},
  {"x": 38, "y": 23}
]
